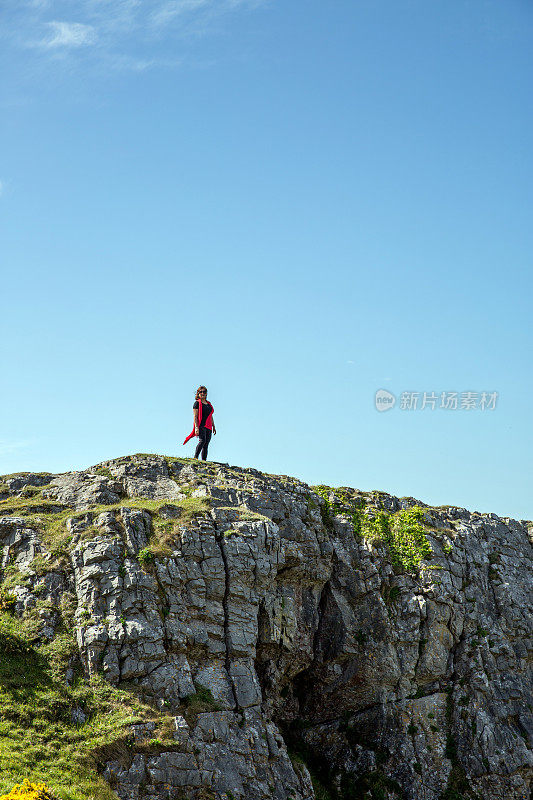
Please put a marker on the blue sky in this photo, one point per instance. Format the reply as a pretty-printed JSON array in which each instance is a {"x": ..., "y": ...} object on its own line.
[{"x": 297, "y": 204}]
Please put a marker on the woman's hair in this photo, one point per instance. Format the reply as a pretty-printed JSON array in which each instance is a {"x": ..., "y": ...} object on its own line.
[{"x": 197, "y": 397}]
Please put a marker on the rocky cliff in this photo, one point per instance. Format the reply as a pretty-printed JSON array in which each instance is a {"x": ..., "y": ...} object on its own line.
[{"x": 177, "y": 629}]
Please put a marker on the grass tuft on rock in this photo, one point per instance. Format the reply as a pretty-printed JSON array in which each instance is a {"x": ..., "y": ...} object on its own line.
[{"x": 200, "y": 701}]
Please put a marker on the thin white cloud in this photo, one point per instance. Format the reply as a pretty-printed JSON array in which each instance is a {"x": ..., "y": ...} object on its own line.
[
  {"x": 69, "y": 34},
  {"x": 134, "y": 35},
  {"x": 129, "y": 64},
  {"x": 168, "y": 11},
  {"x": 10, "y": 447},
  {"x": 115, "y": 18}
]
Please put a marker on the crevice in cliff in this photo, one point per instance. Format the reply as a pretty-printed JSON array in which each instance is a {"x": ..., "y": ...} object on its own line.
[
  {"x": 303, "y": 682},
  {"x": 225, "y": 600},
  {"x": 422, "y": 642},
  {"x": 321, "y": 609}
]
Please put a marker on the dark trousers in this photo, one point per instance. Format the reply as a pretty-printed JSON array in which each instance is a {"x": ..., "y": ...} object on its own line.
[{"x": 203, "y": 444}]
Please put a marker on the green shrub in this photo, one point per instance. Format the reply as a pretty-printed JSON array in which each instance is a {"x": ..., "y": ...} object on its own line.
[
  {"x": 7, "y": 600},
  {"x": 402, "y": 532},
  {"x": 146, "y": 557},
  {"x": 406, "y": 539}
]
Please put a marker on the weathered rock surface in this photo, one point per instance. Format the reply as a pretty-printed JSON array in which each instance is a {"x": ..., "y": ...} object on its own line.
[{"x": 387, "y": 683}]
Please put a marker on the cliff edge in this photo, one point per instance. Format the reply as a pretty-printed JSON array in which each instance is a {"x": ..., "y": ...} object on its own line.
[{"x": 179, "y": 629}]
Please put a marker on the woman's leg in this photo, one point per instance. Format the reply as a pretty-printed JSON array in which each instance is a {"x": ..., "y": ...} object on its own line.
[
  {"x": 201, "y": 442},
  {"x": 207, "y": 439}
]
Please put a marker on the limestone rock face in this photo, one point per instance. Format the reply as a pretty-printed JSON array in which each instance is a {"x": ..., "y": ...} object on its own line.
[{"x": 325, "y": 663}]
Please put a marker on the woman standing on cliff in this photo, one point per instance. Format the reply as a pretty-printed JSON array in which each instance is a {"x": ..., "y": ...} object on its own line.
[{"x": 203, "y": 422}]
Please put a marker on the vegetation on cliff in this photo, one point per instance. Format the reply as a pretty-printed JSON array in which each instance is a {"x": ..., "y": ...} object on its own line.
[
  {"x": 402, "y": 532},
  {"x": 57, "y": 732}
]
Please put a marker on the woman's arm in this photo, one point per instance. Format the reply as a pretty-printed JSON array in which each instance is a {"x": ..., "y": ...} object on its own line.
[
  {"x": 213, "y": 421},
  {"x": 195, "y": 412}
]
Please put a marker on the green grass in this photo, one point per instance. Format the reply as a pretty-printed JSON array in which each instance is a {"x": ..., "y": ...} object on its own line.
[
  {"x": 191, "y": 507},
  {"x": 28, "y": 506},
  {"x": 13, "y": 577},
  {"x": 22, "y": 474},
  {"x": 105, "y": 472},
  {"x": 38, "y": 740},
  {"x": 7, "y": 600},
  {"x": 245, "y": 515}
]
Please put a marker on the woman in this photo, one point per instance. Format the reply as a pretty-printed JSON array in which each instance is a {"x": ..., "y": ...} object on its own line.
[{"x": 203, "y": 422}]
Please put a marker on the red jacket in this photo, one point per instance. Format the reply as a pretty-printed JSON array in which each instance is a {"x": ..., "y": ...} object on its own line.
[{"x": 208, "y": 422}]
